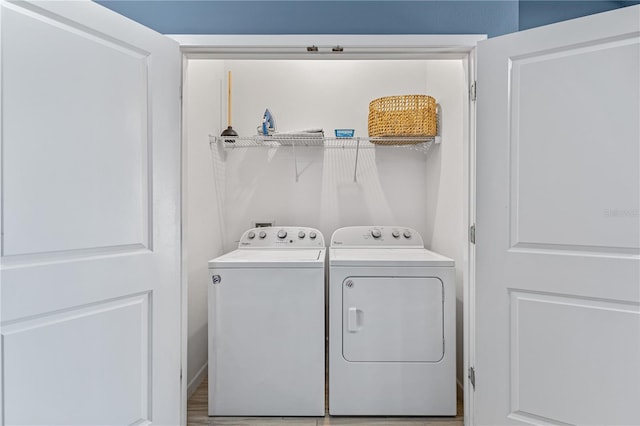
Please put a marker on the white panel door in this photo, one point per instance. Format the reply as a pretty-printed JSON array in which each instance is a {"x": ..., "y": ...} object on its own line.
[
  {"x": 558, "y": 225},
  {"x": 90, "y": 218}
]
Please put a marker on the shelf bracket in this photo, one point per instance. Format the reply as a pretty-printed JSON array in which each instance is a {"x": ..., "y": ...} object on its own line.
[{"x": 295, "y": 162}]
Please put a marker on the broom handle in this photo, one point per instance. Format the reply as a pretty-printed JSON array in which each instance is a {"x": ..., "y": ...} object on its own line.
[{"x": 229, "y": 101}]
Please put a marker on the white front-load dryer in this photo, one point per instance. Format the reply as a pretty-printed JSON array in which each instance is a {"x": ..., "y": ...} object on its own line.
[
  {"x": 392, "y": 347},
  {"x": 266, "y": 325}
]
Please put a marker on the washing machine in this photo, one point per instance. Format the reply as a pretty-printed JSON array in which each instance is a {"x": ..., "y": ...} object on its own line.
[
  {"x": 392, "y": 348},
  {"x": 267, "y": 325}
]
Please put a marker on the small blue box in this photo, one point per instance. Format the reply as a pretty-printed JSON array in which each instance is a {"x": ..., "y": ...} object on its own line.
[{"x": 344, "y": 133}]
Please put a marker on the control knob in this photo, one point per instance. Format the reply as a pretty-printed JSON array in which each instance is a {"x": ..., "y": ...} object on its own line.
[
  {"x": 262, "y": 234},
  {"x": 251, "y": 235},
  {"x": 407, "y": 234},
  {"x": 301, "y": 234},
  {"x": 312, "y": 235},
  {"x": 375, "y": 233},
  {"x": 282, "y": 234},
  {"x": 395, "y": 234}
]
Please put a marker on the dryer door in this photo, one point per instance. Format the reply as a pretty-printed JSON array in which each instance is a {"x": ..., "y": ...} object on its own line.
[{"x": 392, "y": 319}]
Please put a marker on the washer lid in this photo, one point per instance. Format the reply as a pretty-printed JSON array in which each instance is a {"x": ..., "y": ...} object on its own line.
[
  {"x": 387, "y": 257},
  {"x": 270, "y": 258}
]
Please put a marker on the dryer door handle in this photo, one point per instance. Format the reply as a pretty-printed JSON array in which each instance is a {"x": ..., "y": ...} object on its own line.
[{"x": 354, "y": 316}]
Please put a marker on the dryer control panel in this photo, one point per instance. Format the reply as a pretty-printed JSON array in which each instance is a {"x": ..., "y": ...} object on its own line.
[
  {"x": 376, "y": 236},
  {"x": 281, "y": 237}
]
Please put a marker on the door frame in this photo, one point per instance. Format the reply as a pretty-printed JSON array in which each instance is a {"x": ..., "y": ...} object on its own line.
[{"x": 382, "y": 47}]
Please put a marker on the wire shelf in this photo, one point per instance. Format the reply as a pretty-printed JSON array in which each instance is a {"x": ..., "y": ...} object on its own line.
[{"x": 422, "y": 144}]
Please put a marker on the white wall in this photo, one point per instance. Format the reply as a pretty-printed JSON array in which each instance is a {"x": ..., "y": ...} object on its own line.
[
  {"x": 318, "y": 93},
  {"x": 395, "y": 186},
  {"x": 201, "y": 227}
]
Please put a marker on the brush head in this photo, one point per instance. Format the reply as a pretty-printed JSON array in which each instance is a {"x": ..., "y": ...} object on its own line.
[{"x": 229, "y": 132}]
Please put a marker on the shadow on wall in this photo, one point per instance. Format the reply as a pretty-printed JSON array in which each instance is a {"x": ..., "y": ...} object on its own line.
[
  {"x": 432, "y": 186},
  {"x": 260, "y": 185}
]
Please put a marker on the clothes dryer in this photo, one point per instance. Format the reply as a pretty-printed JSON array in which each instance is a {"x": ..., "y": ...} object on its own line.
[
  {"x": 267, "y": 326},
  {"x": 392, "y": 348}
]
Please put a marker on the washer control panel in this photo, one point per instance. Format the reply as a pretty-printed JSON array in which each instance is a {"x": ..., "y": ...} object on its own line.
[
  {"x": 377, "y": 236},
  {"x": 281, "y": 236}
]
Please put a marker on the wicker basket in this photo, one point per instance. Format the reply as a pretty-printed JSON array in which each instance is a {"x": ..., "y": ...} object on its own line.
[{"x": 404, "y": 116}]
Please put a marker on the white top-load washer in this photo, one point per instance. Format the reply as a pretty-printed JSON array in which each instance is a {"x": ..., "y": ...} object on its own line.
[
  {"x": 266, "y": 325},
  {"x": 392, "y": 348}
]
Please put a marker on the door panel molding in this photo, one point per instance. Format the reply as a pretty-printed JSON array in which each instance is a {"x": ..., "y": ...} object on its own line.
[
  {"x": 94, "y": 330},
  {"x": 545, "y": 384},
  {"x": 40, "y": 259},
  {"x": 77, "y": 208},
  {"x": 551, "y": 205},
  {"x": 575, "y": 250},
  {"x": 49, "y": 16}
]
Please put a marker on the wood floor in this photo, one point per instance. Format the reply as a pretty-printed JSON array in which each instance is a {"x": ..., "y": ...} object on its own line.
[{"x": 197, "y": 416}]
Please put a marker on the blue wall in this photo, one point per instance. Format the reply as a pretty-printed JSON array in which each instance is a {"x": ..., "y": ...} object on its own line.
[
  {"x": 540, "y": 12},
  {"x": 322, "y": 17},
  {"x": 353, "y": 17}
]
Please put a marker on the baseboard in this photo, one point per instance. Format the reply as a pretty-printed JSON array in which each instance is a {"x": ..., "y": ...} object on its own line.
[{"x": 197, "y": 379}]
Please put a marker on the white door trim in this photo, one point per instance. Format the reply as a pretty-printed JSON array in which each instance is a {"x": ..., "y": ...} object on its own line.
[
  {"x": 361, "y": 47},
  {"x": 470, "y": 287},
  {"x": 296, "y": 44},
  {"x": 184, "y": 271}
]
